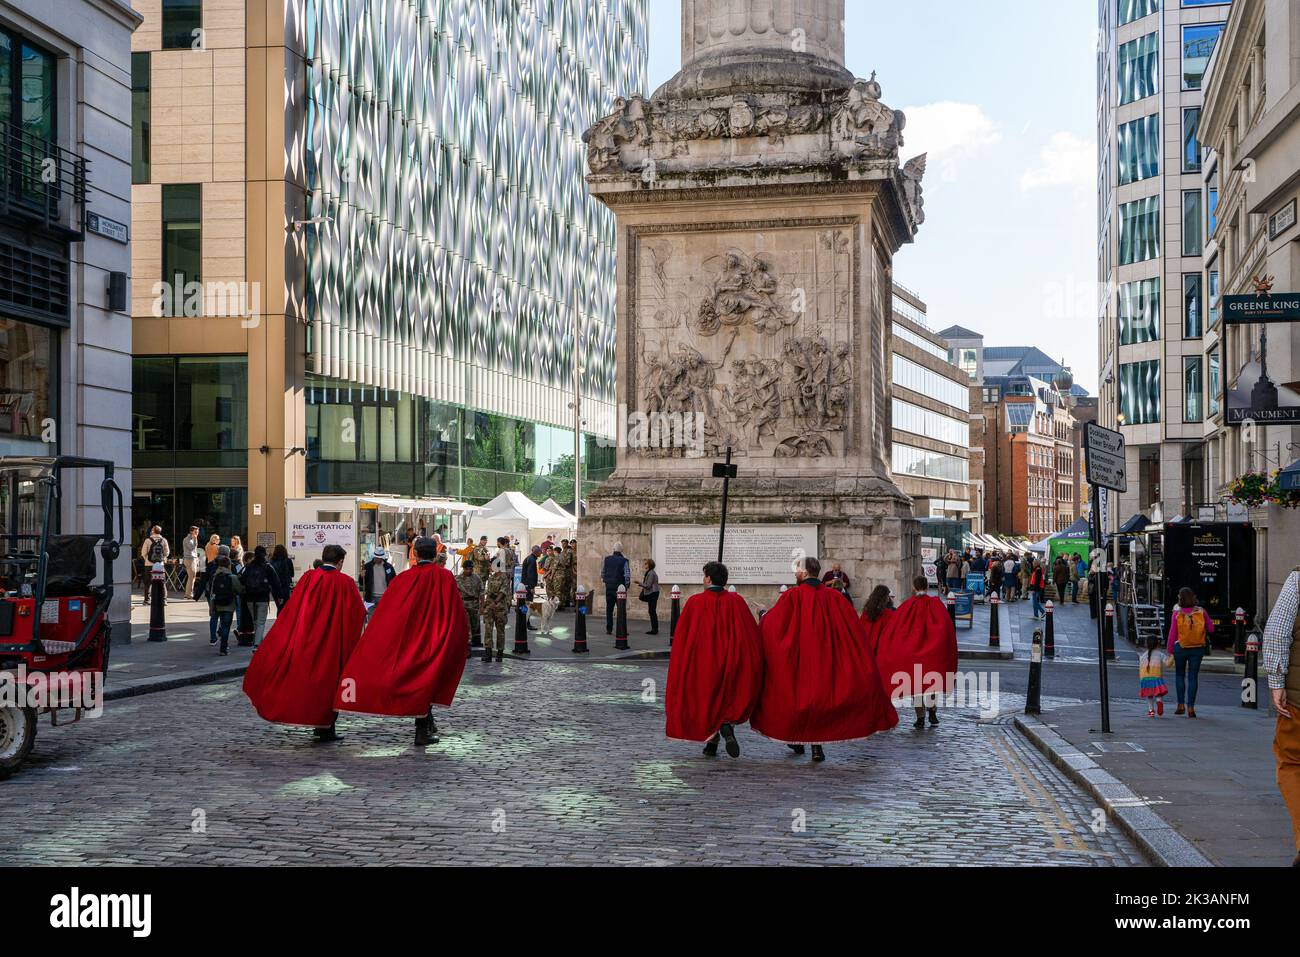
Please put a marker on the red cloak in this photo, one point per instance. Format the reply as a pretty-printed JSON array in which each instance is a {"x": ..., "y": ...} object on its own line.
[
  {"x": 917, "y": 653},
  {"x": 413, "y": 651},
  {"x": 715, "y": 672},
  {"x": 876, "y": 629},
  {"x": 295, "y": 673},
  {"x": 821, "y": 685}
]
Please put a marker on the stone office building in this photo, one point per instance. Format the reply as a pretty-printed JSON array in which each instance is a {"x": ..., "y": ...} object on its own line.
[{"x": 65, "y": 220}]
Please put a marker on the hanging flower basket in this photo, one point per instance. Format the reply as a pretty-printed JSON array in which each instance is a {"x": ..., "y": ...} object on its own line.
[
  {"x": 1281, "y": 498},
  {"x": 1253, "y": 489}
]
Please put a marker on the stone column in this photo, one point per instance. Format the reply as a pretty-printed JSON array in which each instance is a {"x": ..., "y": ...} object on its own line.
[{"x": 723, "y": 26}]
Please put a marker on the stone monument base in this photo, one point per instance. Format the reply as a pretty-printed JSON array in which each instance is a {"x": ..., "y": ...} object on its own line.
[{"x": 865, "y": 524}]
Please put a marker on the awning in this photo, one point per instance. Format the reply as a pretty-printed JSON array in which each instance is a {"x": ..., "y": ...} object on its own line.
[
  {"x": 1134, "y": 525},
  {"x": 411, "y": 506},
  {"x": 1289, "y": 479}
]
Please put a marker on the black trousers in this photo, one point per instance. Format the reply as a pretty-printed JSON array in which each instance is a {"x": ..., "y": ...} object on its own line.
[
  {"x": 652, "y": 604},
  {"x": 611, "y": 602}
]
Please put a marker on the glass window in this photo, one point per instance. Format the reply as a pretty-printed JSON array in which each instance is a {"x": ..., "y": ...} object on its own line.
[
  {"x": 907, "y": 335},
  {"x": 182, "y": 224},
  {"x": 140, "y": 107},
  {"x": 1211, "y": 212},
  {"x": 1198, "y": 45},
  {"x": 1214, "y": 384},
  {"x": 1139, "y": 150},
  {"x": 6, "y": 79},
  {"x": 1139, "y": 312},
  {"x": 1193, "y": 305},
  {"x": 919, "y": 421},
  {"x": 28, "y": 374},
  {"x": 1214, "y": 292},
  {"x": 1193, "y": 389},
  {"x": 1191, "y": 144},
  {"x": 1130, "y": 10},
  {"x": 153, "y": 403},
  {"x": 211, "y": 403},
  {"x": 935, "y": 465},
  {"x": 1139, "y": 392},
  {"x": 1139, "y": 230},
  {"x": 1193, "y": 224},
  {"x": 1139, "y": 68},
  {"x": 919, "y": 379},
  {"x": 181, "y": 22}
]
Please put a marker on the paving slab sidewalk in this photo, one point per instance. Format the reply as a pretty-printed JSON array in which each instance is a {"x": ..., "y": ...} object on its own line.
[{"x": 1211, "y": 780}]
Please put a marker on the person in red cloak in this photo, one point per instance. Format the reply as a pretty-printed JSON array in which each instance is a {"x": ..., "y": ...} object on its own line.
[
  {"x": 877, "y": 614},
  {"x": 294, "y": 675},
  {"x": 413, "y": 652},
  {"x": 820, "y": 685},
  {"x": 917, "y": 653},
  {"x": 715, "y": 672}
]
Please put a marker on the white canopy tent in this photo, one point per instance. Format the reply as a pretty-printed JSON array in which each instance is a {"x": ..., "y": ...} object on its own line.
[
  {"x": 515, "y": 515},
  {"x": 551, "y": 505}
]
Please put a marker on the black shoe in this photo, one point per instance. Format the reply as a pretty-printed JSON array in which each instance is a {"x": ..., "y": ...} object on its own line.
[
  {"x": 934, "y": 716},
  {"x": 212, "y": 641},
  {"x": 711, "y": 747},
  {"x": 652, "y": 632},
  {"x": 796, "y": 748},
  {"x": 501, "y": 656},
  {"x": 487, "y": 655},
  {"x": 609, "y": 632},
  {"x": 326, "y": 734},
  {"x": 729, "y": 735},
  {"x": 223, "y": 651},
  {"x": 920, "y": 720},
  {"x": 818, "y": 753},
  {"x": 423, "y": 736}
]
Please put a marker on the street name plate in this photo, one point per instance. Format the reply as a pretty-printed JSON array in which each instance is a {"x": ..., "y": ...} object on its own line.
[
  {"x": 1106, "y": 460},
  {"x": 755, "y": 554}
]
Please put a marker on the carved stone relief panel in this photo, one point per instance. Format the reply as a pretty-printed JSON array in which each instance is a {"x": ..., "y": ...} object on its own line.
[{"x": 748, "y": 334}]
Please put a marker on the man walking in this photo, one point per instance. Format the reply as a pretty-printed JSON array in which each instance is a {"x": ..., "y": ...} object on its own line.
[
  {"x": 223, "y": 594},
  {"x": 615, "y": 572},
  {"x": 260, "y": 584},
  {"x": 376, "y": 576},
  {"x": 155, "y": 550},
  {"x": 190, "y": 558},
  {"x": 1282, "y": 666}
]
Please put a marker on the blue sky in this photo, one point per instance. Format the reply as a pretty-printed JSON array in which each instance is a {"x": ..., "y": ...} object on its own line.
[{"x": 1001, "y": 94}]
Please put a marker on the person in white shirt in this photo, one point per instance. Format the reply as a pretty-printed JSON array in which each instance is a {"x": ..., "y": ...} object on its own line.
[{"x": 190, "y": 556}]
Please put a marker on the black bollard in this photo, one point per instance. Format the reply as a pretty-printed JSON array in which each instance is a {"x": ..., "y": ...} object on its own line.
[
  {"x": 620, "y": 620},
  {"x": 1049, "y": 646},
  {"x": 1250, "y": 683},
  {"x": 580, "y": 624},
  {"x": 158, "y": 604},
  {"x": 674, "y": 614},
  {"x": 952, "y": 609},
  {"x": 995, "y": 622},
  {"x": 1239, "y": 641},
  {"x": 1108, "y": 632},
  {"x": 1034, "y": 696},
  {"x": 521, "y": 622}
]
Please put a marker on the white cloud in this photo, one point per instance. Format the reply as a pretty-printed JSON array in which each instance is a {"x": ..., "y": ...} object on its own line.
[
  {"x": 1066, "y": 160},
  {"x": 948, "y": 131}
]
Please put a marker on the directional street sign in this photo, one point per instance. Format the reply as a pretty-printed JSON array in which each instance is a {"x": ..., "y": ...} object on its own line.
[{"x": 1106, "y": 465}]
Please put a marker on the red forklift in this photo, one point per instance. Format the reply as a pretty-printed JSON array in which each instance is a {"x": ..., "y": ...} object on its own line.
[{"x": 54, "y": 603}]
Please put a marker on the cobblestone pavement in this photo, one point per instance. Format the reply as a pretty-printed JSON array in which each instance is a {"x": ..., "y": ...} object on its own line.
[{"x": 538, "y": 764}]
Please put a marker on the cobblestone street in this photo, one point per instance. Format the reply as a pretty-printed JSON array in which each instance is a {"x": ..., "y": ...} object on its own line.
[{"x": 538, "y": 764}]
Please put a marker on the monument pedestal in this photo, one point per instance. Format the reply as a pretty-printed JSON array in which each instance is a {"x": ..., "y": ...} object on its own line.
[{"x": 760, "y": 201}]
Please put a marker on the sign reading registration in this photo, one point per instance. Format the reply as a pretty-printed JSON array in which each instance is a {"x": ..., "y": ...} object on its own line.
[
  {"x": 1106, "y": 460},
  {"x": 755, "y": 554}
]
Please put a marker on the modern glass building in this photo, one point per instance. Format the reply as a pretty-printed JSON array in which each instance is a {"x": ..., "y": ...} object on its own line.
[
  {"x": 1152, "y": 220},
  {"x": 394, "y": 279}
]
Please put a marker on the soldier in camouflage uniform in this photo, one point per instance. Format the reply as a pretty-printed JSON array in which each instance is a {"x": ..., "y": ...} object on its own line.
[
  {"x": 556, "y": 582},
  {"x": 498, "y": 598},
  {"x": 471, "y": 595},
  {"x": 482, "y": 556},
  {"x": 571, "y": 575}
]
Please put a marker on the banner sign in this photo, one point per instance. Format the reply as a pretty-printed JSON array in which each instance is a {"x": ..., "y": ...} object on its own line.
[{"x": 1273, "y": 307}]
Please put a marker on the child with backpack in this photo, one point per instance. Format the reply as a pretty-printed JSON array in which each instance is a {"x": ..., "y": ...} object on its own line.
[
  {"x": 1151, "y": 677},
  {"x": 1189, "y": 643},
  {"x": 224, "y": 590}
]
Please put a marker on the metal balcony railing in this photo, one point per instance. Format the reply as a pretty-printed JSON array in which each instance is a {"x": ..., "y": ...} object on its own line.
[{"x": 41, "y": 182}]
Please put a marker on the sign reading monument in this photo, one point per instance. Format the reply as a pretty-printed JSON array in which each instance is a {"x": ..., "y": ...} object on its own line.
[{"x": 755, "y": 554}]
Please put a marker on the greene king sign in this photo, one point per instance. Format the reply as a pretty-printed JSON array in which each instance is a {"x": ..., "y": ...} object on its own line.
[{"x": 1276, "y": 307}]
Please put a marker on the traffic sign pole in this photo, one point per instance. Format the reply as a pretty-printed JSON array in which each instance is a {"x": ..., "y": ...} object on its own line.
[{"x": 1103, "y": 670}]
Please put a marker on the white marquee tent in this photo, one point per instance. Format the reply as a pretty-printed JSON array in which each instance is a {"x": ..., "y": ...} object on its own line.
[
  {"x": 515, "y": 515},
  {"x": 551, "y": 505}
]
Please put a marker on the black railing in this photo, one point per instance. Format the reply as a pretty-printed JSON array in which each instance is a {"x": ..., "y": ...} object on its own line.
[{"x": 42, "y": 182}]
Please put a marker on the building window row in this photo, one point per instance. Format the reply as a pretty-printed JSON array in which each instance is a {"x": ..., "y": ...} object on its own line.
[
  {"x": 1139, "y": 68},
  {"x": 1130, "y": 10},
  {"x": 1138, "y": 145},
  {"x": 1139, "y": 392},
  {"x": 1198, "y": 45},
  {"x": 1139, "y": 230},
  {"x": 921, "y": 342},
  {"x": 933, "y": 425},
  {"x": 920, "y": 463},
  {"x": 1138, "y": 308},
  {"x": 923, "y": 381}
]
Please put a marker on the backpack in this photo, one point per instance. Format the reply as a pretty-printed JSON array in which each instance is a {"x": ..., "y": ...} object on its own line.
[
  {"x": 223, "y": 589},
  {"x": 256, "y": 580},
  {"x": 156, "y": 550},
  {"x": 1191, "y": 629}
]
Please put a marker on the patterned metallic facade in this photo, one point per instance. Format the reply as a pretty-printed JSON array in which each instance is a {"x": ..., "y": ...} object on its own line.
[{"x": 451, "y": 236}]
